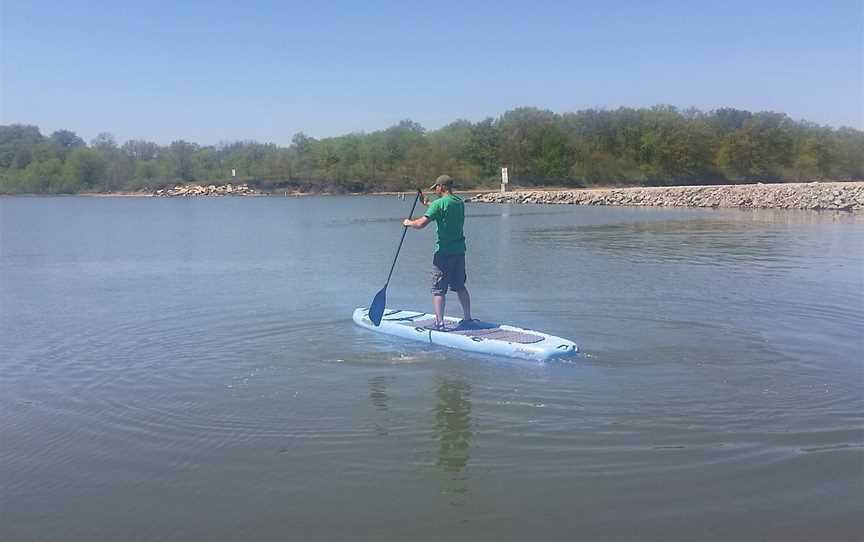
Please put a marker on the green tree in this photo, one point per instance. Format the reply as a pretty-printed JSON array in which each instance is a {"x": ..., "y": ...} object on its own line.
[
  {"x": 483, "y": 147},
  {"x": 15, "y": 143},
  {"x": 848, "y": 149},
  {"x": 104, "y": 142},
  {"x": 726, "y": 120},
  {"x": 66, "y": 140},
  {"x": 521, "y": 140},
  {"x": 23, "y": 157},
  {"x": 301, "y": 148},
  {"x": 759, "y": 149},
  {"x": 179, "y": 160},
  {"x": 554, "y": 160},
  {"x": 84, "y": 169},
  {"x": 813, "y": 157},
  {"x": 138, "y": 149},
  {"x": 43, "y": 177},
  {"x": 146, "y": 173},
  {"x": 399, "y": 138}
]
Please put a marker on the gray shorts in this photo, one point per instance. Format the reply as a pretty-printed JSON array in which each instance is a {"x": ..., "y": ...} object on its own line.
[{"x": 448, "y": 270}]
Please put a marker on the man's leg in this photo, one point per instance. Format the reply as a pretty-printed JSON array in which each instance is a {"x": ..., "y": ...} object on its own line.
[
  {"x": 465, "y": 300},
  {"x": 438, "y": 301},
  {"x": 440, "y": 283},
  {"x": 457, "y": 283}
]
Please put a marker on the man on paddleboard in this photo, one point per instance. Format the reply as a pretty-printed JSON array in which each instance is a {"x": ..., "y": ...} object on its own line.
[{"x": 448, "y": 263}]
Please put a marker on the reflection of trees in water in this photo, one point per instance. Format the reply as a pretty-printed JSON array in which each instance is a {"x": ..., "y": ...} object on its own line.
[
  {"x": 453, "y": 424},
  {"x": 713, "y": 242}
]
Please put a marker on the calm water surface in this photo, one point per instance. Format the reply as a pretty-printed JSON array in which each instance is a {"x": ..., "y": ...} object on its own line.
[{"x": 187, "y": 369}]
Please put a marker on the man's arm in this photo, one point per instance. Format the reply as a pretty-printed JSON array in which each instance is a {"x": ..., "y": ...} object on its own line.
[{"x": 417, "y": 223}]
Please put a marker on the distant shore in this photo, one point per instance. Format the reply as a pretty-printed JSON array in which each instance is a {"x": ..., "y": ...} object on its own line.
[
  {"x": 829, "y": 195},
  {"x": 836, "y": 196}
]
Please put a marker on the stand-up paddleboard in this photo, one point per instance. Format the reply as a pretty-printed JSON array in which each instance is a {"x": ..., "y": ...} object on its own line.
[{"x": 483, "y": 337}]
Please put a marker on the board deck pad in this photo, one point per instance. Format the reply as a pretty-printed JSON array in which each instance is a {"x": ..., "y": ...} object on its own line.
[{"x": 483, "y": 329}]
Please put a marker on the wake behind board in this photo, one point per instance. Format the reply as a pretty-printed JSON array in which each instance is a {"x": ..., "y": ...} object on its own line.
[{"x": 483, "y": 337}]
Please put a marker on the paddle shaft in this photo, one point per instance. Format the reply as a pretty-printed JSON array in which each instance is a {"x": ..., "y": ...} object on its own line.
[{"x": 404, "y": 230}]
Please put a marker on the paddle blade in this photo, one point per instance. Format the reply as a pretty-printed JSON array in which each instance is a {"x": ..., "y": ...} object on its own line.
[{"x": 376, "y": 310}]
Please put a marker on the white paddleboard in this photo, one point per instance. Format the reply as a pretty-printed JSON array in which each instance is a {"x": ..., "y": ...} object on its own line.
[{"x": 483, "y": 337}]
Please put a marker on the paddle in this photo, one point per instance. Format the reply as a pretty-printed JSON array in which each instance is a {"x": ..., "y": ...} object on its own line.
[{"x": 376, "y": 310}]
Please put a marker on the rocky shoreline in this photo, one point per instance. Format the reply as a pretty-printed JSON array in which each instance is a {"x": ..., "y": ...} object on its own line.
[
  {"x": 209, "y": 190},
  {"x": 837, "y": 196}
]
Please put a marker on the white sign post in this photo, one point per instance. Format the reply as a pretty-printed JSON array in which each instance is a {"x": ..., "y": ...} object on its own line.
[
  {"x": 504, "y": 179},
  {"x": 233, "y": 172}
]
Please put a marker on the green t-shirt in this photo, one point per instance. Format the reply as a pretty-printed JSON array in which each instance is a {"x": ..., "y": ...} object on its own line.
[{"x": 448, "y": 212}]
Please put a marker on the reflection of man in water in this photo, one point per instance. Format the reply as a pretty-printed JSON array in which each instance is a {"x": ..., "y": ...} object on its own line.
[
  {"x": 453, "y": 424},
  {"x": 379, "y": 397},
  {"x": 378, "y": 392}
]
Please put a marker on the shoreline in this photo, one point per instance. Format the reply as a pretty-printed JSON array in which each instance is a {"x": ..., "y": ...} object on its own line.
[{"x": 828, "y": 195}]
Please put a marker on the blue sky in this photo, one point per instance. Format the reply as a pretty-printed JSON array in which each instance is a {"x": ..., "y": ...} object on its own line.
[{"x": 216, "y": 71}]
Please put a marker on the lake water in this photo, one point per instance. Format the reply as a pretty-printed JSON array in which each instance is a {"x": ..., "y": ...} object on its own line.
[{"x": 187, "y": 369}]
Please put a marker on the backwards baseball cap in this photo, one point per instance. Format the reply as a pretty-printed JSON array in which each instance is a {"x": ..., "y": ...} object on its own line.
[{"x": 443, "y": 180}]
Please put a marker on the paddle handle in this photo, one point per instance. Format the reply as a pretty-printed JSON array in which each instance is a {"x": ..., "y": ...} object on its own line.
[{"x": 404, "y": 230}]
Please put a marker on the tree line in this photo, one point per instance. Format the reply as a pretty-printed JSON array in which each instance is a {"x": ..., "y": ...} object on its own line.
[{"x": 661, "y": 145}]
